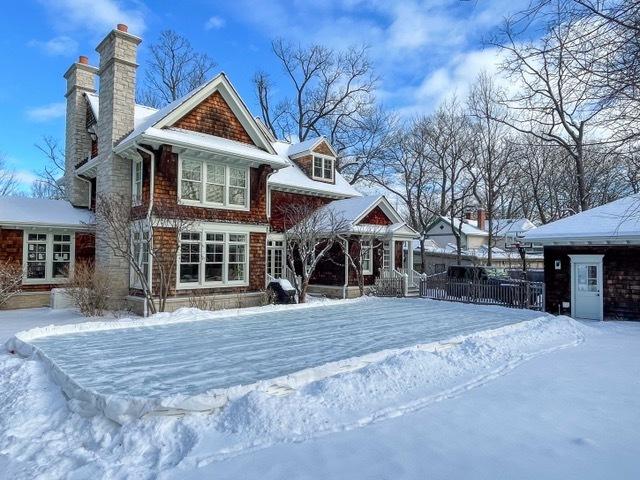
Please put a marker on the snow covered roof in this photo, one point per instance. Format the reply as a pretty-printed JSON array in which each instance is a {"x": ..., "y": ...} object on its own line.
[
  {"x": 480, "y": 252},
  {"x": 353, "y": 210},
  {"x": 466, "y": 227},
  {"x": 141, "y": 113},
  {"x": 24, "y": 211},
  {"x": 168, "y": 115},
  {"x": 307, "y": 145},
  {"x": 293, "y": 178},
  {"x": 613, "y": 222},
  {"x": 211, "y": 143},
  {"x": 512, "y": 226}
]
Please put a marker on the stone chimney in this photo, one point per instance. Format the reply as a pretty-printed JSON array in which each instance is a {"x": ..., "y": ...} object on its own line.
[
  {"x": 80, "y": 80},
  {"x": 117, "y": 74},
  {"x": 481, "y": 218}
]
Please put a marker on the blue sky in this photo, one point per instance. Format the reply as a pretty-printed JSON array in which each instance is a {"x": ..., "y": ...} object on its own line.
[{"x": 422, "y": 50}]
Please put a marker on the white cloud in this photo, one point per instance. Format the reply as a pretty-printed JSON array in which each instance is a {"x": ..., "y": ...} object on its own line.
[
  {"x": 25, "y": 177},
  {"x": 60, "y": 45},
  {"x": 96, "y": 16},
  {"x": 48, "y": 112},
  {"x": 214, "y": 23}
]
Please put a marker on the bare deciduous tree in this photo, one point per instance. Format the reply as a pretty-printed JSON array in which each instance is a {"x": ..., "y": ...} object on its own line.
[
  {"x": 10, "y": 280},
  {"x": 138, "y": 241},
  {"x": 493, "y": 150},
  {"x": 310, "y": 233},
  {"x": 89, "y": 289},
  {"x": 331, "y": 94},
  {"x": 47, "y": 185},
  {"x": 8, "y": 180},
  {"x": 360, "y": 249},
  {"x": 173, "y": 70}
]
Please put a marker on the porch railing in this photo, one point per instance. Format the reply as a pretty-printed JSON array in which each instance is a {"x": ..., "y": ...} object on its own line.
[
  {"x": 391, "y": 283},
  {"x": 515, "y": 294}
]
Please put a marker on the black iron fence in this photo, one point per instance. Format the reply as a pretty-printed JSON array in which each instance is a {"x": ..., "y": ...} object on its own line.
[{"x": 493, "y": 291}]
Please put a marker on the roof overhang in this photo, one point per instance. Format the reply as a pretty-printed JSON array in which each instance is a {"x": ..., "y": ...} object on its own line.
[
  {"x": 386, "y": 207},
  {"x": 307, "y": 191},
  {"x": 221, "y": 84},
  {"x": 56, "y": 226},
  {"x": 585, "y": 241},
  {"x": 222, "y": 150}
]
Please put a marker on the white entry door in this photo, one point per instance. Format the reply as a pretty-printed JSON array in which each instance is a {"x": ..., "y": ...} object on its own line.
[{"x": 586, "y": 286}]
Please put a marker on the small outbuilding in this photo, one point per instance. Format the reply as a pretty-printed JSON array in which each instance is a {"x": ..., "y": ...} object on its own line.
[{"x": 592, "y": 262}]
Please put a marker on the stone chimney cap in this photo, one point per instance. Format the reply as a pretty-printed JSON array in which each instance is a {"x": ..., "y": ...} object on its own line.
[
  {"x": 122, "y": 27},
  {"x": 83, "y": 59}
]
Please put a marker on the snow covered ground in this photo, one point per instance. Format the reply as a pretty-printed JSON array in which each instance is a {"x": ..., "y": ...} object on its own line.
[{"x": 544, "y": 398}]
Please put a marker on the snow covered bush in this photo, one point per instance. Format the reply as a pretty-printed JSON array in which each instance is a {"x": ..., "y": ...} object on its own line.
[
  {"x": 10, "y": 280},
  {"x": 89, "y": 289}
]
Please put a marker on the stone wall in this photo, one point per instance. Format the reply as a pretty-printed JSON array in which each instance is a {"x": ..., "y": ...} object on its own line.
[{"x": 78, "y": 145}]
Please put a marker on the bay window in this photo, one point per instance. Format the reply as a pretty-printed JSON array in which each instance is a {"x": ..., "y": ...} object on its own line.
[
  {"x": 211, "y": 184},
  {"x": 209, "y": 259},
  {"x": 48, "y": 257},
  {"x": 323, "y": 168}
]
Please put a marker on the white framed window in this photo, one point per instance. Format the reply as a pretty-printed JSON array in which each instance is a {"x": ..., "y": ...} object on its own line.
[
  {"x": 210, "y": 184},
  {"x": 323, "y": 168},
  {"x": 48, "y": 257},
  {"x": 140, "y": 241},
  {"x": 386, "y": 255},
  {"x": 136, "y": 182},
  {"x": 366, "y": 257},
  {"x": 210, "y": 259}
]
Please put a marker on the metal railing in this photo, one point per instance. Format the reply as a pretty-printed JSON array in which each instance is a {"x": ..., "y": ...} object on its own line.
[{"x": 508, "y": 293}]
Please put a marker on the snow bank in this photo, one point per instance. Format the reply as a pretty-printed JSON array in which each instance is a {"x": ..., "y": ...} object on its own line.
[{"x": 380, "y": 375}]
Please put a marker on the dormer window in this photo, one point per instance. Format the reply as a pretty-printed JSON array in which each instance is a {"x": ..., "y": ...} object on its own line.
[{"x": 323, "y": 168}]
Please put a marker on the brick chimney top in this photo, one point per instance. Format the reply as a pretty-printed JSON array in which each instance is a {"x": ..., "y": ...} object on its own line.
[
  {"x": 481, "y": 217},
  {"x": 122, "y": 27},
  {"x": 83, "y": 60}
]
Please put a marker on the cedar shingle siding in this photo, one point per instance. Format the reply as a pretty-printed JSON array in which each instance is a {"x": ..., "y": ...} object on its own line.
[
  {"x": 621, "y": 275},
  {"x": 376, "y": 217},
  {"x": 214, "y": 117},
  {"x": 12, "y": 241}
]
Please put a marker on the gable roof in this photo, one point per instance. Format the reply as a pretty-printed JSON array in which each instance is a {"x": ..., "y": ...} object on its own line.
[
  {"x": 168, "y": 115},
  {"x": 292, "y": 178},
  {"x": 308, "y": 145},
  {"x": 353, "y": 210},
  {"x": 618, "y": 221},
  {"x": 464, "y": 226},
  {"x": 25, "y": 211},
  {"x": 512, "y": 226}
]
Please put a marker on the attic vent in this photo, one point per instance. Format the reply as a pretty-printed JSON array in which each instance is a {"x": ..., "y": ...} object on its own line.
[{"x": 441, "y": 227}]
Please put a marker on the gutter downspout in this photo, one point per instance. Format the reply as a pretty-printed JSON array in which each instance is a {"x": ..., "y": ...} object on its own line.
[{"x": 152, "y": 176}]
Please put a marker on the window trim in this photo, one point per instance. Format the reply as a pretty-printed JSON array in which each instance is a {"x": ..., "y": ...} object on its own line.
[
  {"x": 136, "y": 200},
  {"x": 367, "y": 244},
  {"x": 225, "y": 283},
  {"x": 324, "y": 158},
  {"x": 48, "y": 278},
  {"x": 134, "y": 280},
  {"x": 203, "y": 185}
]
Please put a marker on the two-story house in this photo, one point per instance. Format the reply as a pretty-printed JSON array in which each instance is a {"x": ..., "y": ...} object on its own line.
[{"x": 203, "y": 157}]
